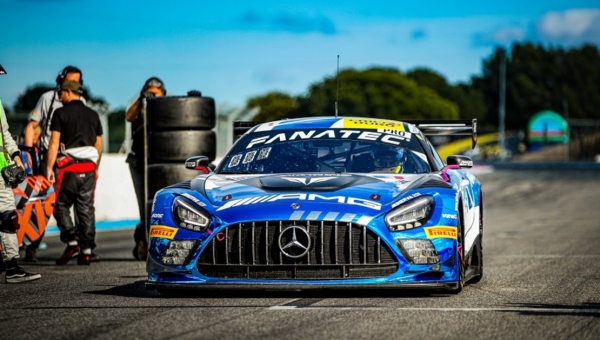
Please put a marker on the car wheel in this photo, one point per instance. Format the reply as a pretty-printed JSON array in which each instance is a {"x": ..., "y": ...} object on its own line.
[
  {"x": 460, "y": 255},
  {"x": 177, "y": 146},
  {"x": 479, "y": 276},
  {"x": 181, "y": 113}
]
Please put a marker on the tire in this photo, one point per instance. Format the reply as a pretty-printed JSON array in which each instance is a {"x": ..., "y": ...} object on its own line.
[
  {"x": 164, "y": 174},
  {"x": 181, "y": 113},
  {"x": 460, "y": 255},
  {"x": 177, "y": 146},
  {"x": 479, "y": 277}
]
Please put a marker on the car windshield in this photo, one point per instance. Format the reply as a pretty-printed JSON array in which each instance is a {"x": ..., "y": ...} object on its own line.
[{"x": 325, "y": 151}]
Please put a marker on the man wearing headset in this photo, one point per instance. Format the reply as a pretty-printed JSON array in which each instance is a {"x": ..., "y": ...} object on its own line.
[
  {"x": 41, "y": 116},
  {"x": 153, "y": 87},
  {"x": 8, "y": 218},
  {"x": 76, "y": 148}
]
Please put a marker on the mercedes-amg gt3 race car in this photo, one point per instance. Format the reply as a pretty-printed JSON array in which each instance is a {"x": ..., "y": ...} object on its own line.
[{"x": 323, "y": 202}]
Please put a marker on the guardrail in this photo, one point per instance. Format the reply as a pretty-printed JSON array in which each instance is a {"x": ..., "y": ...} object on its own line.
[{"x": 584, "y": 165}]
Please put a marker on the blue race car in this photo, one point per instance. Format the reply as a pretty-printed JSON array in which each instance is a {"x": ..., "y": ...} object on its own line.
[{"x": 322, "y": 202}]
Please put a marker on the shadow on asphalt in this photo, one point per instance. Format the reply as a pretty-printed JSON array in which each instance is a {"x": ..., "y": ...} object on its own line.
[
  {"x": 51, "y": 260},
  {"x": 138, "y": 289},
  {"x": 591, "y": 309}
]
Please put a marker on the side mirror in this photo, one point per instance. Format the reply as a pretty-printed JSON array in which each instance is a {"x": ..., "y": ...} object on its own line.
[
  {"x": 462, "y": 161},
  {"x": 198, "y": 163}
]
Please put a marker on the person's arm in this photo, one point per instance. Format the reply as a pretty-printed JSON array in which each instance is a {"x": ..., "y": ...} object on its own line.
[
  {"x": 29, "y": 136},
  {"x": 40, "y": 109},
  {"x": 30, "y": 132},
  {"x": 98, "y": 147},
  {"x": 9, "y": 143},
  {"x": 133, "y": 111},
  {"x": 52, "y": 154}
]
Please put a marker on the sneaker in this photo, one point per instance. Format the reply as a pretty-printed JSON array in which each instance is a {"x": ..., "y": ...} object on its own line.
[
  {"x": 84, "y": 259},
  {"x": 30, "y": 254},
  {"x": 18, "y": 275},
  {"x": 95, "y": 257},
  {"x": 69, "y": 253}
]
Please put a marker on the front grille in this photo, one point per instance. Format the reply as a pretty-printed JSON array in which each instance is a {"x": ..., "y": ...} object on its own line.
[{"x": 339, "y": 250}]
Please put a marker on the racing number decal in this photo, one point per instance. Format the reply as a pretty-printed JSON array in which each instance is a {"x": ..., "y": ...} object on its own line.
[{"x": 372, "y": 123}]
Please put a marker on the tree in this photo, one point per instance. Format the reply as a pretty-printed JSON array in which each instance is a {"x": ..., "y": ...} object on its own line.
[
  {"x": 273, "y": 106},
  {"x": 378, "y": 93},
  {"x": 29, "y": 98},
  {"x": 469, "y": 100},
  {"x": 116, "y": 126},
  {"x": 540, "y": 78}
]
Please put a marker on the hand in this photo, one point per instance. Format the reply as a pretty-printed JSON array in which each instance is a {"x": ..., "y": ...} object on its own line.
[
  {"x": 29, "y": 162},
  {"x": 50, "y": 172},
  {"x": 147, "y": 94},
  {"x": 194, "y": 93},
  {"x": 18, "y": 161}
]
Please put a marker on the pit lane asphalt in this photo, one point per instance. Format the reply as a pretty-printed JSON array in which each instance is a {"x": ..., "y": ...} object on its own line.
[{"x": 542, "y": 281}]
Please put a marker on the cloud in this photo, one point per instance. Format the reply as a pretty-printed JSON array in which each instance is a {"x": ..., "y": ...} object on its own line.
[
  {"x": 501, "y": 36},
  {"x": 569, "y": 27},
  {"x": 288, "y": 22}
]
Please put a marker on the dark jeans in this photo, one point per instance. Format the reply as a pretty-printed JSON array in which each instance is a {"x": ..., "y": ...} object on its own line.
[
  {"x": 76, "y": 189},
  {"x": 136, "y": 168}
]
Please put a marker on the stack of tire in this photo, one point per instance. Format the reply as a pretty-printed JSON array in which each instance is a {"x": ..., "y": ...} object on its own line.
[{"x": 178, "y": 127}]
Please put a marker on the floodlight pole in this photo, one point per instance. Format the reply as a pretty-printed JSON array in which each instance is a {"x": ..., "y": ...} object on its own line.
[{"x": 501, "y": 106}]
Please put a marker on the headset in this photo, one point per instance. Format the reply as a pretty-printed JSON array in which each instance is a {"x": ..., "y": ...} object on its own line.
[
  {"x": 154, "y": 82},
  {"x": 63, "y": 74}
]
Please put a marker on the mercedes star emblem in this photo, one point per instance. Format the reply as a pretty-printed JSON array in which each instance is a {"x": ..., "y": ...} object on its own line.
[{"x": 294, "y": 242}]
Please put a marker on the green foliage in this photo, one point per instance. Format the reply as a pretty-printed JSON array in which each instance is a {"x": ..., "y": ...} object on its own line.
[
  {"x": 377, "y": 93},
  {"x": 540, "y": 78},
  {"x": 470, "y": 101},
  {"x": 273, "y": 106},
  {"x": 116, "y": 128},
  {"x": 29, "y": 98}
]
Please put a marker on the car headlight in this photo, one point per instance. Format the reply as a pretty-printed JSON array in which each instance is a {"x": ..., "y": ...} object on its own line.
[
  {"x": 188, "y": 215},
  {"x": 173, "y": 252},
  {"x": 411, "y": 214},
  {"x": 178, "y": 252},
  {"x": 418, "y": 251}
]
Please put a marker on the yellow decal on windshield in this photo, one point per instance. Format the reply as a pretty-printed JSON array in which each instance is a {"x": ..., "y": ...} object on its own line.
[
  {"x": 440, "y": 232},
  {"x": 162, "y": 231},
  {"x": 371, "y": 123}
]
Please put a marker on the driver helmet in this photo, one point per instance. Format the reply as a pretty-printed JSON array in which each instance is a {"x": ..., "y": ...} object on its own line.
[{"x": 390, "y": 160}]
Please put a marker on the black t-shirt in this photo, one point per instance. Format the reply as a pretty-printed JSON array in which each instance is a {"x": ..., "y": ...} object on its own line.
[
  {"x": 137, "y": 136},
  {"x": 78, "y": 125}
]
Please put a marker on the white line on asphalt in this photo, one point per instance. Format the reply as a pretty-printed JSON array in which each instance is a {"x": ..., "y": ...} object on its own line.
[
  {"x": 544, "y": 256},
  {"x": 442, "y": 309}
]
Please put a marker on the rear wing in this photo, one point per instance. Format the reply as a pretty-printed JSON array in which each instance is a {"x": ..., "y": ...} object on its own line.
[
  {"x": 457, "y": 127},
  {"x": 429, "y": 127},
  {"x": 240, "y": 127}
]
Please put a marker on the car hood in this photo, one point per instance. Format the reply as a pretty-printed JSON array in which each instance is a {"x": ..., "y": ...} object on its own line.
[{"x": 350, "y": 192}]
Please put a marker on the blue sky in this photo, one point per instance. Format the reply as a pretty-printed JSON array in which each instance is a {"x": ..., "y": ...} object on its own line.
[{"x": 233, "y": 50}]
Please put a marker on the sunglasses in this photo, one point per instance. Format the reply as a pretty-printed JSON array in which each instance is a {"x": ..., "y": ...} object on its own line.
[{"x": 154, "y": 83}]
